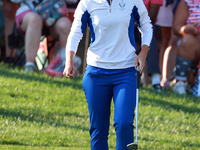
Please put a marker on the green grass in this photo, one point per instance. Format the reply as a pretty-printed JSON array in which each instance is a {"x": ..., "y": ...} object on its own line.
[{"x": 39, "y": 112}]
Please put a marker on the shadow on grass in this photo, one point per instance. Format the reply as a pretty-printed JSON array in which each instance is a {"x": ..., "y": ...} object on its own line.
[
  {"x": 74, "y": 82},
  {"x": 15, "y": 114},
  {"x": 10, "y": 142},
  {"x": 36, "y": 116},
  {"x": 49, "y": 118},
  {"x": 169, "y": 105},
  {"x": 189, "y": 144}
]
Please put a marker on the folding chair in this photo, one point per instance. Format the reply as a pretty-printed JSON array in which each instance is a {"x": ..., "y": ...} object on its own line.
[{"x": 16, "y": 41}]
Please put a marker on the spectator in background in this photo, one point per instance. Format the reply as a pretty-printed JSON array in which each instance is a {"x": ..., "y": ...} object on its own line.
[
  {"x": 165, "y": 20},
  {"x": 187, "y": 26},
  {"x": 31, "y": 24},
  {"x": 153, "y": 54},
  {"x": 169, "y": 62},
  {"x": 168, "y": 48},
  {"x": 9, "y": 10}
]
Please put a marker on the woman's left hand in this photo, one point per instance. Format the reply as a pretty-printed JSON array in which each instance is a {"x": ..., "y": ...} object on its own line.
[{"x": 141, "y": 58}]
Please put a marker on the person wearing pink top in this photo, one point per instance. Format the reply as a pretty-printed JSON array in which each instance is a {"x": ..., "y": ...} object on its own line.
[
  {"x": 187, "y": 26},
  {"x": 168, "y": 46},
  {"x": 154, "y": 3}
]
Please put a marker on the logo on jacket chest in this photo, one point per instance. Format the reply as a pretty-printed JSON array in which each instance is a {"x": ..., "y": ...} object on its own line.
[{"x": 122, "y": 5}]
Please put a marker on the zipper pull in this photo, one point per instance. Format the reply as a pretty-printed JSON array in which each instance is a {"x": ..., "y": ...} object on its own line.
[{"x": 110, "y": 4}]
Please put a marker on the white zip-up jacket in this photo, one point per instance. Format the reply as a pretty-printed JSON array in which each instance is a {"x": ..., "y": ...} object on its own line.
[{"x": 112, "y": 31}]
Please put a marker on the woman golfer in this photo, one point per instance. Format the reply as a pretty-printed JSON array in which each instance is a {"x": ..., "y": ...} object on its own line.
[{"x": 111, "y": 63}]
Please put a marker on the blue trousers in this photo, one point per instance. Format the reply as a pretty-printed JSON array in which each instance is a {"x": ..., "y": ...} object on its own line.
[{"x": 100, "y": 87}]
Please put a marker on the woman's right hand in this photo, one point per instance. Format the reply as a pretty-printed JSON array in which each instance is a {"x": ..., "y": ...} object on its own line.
[{"x": 69, "y": 70}]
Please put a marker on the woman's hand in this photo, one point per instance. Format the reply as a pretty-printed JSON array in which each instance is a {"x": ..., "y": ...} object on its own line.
[{"x": 69, "y": 70}]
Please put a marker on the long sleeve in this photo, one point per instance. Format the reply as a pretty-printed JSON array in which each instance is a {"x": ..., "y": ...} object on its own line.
[
  {"x": 81, "y": 18},
  {"x": 145, "y": 25}
]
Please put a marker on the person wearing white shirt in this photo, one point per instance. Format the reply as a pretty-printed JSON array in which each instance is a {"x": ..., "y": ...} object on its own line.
[{"x": 111, "y": 62}]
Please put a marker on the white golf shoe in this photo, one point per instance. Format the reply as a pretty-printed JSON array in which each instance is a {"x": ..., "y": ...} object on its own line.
[{"x": 180, "y": 87}]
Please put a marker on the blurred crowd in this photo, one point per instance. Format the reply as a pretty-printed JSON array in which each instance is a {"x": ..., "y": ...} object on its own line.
[
  {"x": 21, "y": 18},
  {"x": 173, "y": 58}
]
